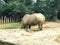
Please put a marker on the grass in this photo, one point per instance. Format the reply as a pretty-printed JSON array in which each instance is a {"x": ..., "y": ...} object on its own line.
[{"x": 10, "y": 25}]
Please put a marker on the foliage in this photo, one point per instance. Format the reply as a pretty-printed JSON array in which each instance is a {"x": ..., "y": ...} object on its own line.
[
  {"x": 2, "y": 8},
  {"x": 49, "y": 8},
  {"x": 13, "y": 8}
]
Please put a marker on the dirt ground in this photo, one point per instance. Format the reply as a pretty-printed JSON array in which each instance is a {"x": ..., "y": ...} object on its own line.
[{"x": 50, "y": 35}]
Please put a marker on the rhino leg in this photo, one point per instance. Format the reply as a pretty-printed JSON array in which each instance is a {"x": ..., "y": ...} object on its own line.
[
  {"x": 30, "y": 29},
  {"x": 27, "y": 28},
  {"x": 40, "y": 26}
]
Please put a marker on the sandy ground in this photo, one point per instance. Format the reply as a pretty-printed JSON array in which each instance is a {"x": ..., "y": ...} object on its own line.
[{"x": 50, "y": 35}]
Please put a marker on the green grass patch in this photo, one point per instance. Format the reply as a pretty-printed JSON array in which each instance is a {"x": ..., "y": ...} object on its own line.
[{"x": 10, "y": 25}]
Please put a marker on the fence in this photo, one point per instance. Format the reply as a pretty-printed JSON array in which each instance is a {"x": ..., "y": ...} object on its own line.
[
  {"x": 4, "y": 19},
  {"x": 9, "y": 22}
]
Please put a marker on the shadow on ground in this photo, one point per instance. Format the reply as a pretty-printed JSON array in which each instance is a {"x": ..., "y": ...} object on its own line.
[{"x": 5, "y": 43}]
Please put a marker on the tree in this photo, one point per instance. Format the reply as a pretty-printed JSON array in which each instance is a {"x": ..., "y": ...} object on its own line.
[
  {"x": 48, "y": 7},
  {"x": 16, "y": 8},
  {"x": 55, "y": 7},
  {"x": 2, "y": 7}
]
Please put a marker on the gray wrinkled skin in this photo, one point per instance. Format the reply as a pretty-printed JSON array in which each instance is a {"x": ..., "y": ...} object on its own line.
[{"x": 33, "y": 19}]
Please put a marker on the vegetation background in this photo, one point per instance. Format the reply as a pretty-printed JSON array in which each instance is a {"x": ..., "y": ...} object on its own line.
[
  {"x": 16, "y": 9},
  {"x": 50, "y": 8}
]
